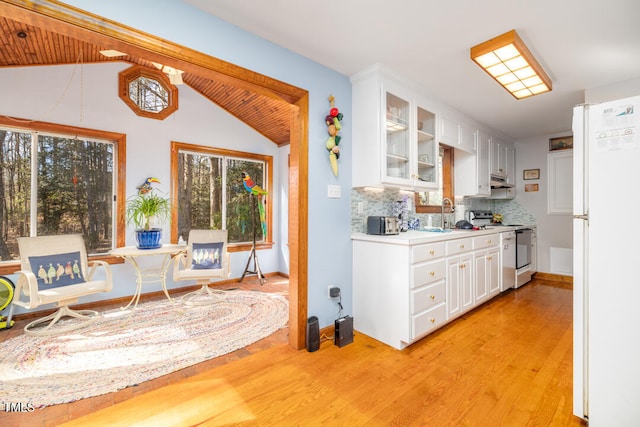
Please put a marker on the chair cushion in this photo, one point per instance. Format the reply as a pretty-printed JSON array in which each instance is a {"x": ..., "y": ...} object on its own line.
[
  {"x": 206, "y": 256},
  {"x": 57, "y": 270}
]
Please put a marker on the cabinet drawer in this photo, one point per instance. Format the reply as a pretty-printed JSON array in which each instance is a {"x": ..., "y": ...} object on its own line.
[
  {"x": 459, "y": 245},
  {"x": 429, "y": 272},
  {"x": 427, "y": 321},
  {"x": 486, "y": 241},
  {"x": 427, "y": 297},
  {"x": 421, "y": 253}
]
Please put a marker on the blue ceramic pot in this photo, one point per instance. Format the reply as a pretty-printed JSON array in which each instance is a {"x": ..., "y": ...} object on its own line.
[{"x": 149, "y": 239}]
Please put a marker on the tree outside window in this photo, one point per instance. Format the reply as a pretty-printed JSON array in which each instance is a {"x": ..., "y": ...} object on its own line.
[
  {"x": 54, "y": 184},
  {"x": 210, "y": 192}
]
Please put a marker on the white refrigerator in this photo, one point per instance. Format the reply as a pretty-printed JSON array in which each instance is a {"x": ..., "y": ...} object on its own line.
[{"x": 606, "y": 226}]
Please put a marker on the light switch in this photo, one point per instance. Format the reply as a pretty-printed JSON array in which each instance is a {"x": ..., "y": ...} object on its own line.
[{"x": 333, "y": 191}]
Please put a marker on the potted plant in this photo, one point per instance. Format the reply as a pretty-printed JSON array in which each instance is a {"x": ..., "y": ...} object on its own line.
[{"x": 142, "y": 209}]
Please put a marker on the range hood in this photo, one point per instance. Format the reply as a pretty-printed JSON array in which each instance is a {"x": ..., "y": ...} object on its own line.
[{"x": 500, "y": 182}]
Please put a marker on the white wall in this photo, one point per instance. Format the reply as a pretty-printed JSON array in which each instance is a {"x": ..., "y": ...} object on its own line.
[
  {"x": 554, "y": 231},
  {"x": 614, "y": 91},
  {"x": 53, "y": 94}
]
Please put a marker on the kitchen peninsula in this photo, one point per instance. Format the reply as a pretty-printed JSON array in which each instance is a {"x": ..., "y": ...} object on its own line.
[{"x": 406, "y": 286}]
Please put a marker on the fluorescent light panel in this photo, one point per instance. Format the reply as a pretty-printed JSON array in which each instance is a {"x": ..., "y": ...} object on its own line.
[{"x": 508, "y": 60}]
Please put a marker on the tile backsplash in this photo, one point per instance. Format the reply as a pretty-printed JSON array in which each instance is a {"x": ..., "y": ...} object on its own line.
[{"x": 376, "y": 202}]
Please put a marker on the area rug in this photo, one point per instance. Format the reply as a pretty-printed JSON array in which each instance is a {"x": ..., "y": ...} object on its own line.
[{"x": 124, "y": 348}]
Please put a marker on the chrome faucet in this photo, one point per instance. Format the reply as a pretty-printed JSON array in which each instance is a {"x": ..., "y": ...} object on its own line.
[{"x": 444, "y": 202}]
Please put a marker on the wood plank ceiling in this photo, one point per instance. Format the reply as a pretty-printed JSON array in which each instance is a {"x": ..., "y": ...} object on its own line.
[{"x": 23, "y": 45}]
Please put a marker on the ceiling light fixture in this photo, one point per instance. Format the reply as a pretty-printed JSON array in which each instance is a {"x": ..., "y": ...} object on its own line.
[{"x": 508, "y": 60}]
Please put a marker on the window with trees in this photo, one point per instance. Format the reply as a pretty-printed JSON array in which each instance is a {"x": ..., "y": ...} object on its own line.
[
  {"x": 55, "y": 180},
  {"x": 209, "y": 193},
  {"x": 148, "y": 92},
  {"x": 431, "y": 201}
]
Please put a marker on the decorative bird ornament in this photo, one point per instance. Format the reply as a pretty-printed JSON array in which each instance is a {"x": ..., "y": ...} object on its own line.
[
  {"x": 258, "y": 191},
  {"x": 146, "y": 186},
  {"x": 251, "y": 186}
]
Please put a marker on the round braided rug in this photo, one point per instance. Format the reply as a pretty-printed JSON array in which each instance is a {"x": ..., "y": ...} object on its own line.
[{"x": 125, "y": 348}]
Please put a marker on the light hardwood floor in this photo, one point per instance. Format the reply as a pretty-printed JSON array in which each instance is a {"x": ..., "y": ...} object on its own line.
[{"x": 507, "y": 363}]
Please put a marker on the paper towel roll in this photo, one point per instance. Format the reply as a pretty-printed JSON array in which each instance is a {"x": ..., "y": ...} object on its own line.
[{"x": 460, "y": 212}]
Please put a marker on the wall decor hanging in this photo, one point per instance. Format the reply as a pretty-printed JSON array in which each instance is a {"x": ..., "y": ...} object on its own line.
[{"x": 332, "y": 121}]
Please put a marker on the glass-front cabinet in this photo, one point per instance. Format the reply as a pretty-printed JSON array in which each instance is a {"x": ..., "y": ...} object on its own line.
[
  {"x": 410, "y": 148},
  {"x": 398, "y": 141},
  {"x": 427, "y": 148},
  {"x": 394, "y": 134}
]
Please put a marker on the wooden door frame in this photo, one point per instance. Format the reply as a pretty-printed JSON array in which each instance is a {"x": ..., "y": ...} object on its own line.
[{"x": 74, "y": 22}]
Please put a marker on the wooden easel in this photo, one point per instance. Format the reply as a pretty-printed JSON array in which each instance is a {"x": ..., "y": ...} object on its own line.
[{"x": 253, "y": 256}]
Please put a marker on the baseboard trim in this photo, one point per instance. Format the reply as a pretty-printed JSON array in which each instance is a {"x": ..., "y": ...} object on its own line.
[
  {"x": 125, "y": 300},
  {"x": 553, "y": 277}
]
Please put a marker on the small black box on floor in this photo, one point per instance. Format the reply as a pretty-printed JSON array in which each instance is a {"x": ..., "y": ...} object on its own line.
[
  {"x": 313, "y": 334},
  {"x": 344, "y": 331}
]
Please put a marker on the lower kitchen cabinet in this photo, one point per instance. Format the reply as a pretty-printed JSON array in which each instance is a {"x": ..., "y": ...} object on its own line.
[
  {"x": 486, "y": 268},
  {"x": 402, "y": 291},
  {"x": 459, "y": 285}
]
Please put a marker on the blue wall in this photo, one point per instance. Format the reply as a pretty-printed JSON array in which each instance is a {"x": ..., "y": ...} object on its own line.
[{"x": 329, "y": 219}]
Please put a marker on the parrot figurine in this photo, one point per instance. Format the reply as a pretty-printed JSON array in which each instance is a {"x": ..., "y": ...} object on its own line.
[
  {"x": 146, "y": 186},
  {"x": 258, "y": 191}
]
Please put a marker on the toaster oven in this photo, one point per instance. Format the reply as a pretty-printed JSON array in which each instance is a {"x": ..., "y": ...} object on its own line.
[{"x": 382, "y": 225}]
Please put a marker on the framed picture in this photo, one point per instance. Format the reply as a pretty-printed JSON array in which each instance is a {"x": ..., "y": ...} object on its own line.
[
  {"x": 530, "y": 187},
  {"x": 531, "y": 174},
  {"x": 562, "y": 143}
]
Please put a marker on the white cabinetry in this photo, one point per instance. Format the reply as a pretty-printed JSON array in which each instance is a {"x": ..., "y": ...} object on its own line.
[
  {"x": 486, "y": 260},
  {"x": 471, "y": 171},
  {"x": 404, "y": 291},
  {"x": 395, "y": 301},
  {"x": 497, "y": 157},
  {"x": 459, "y": 277},
  {"x": 394, "y": 134},
  {"x": 510, "y": 163},
  {"x": 457, "y": 134}
]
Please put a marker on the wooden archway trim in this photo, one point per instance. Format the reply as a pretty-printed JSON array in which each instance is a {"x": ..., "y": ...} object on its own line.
[{"x": 74, "y": 22}]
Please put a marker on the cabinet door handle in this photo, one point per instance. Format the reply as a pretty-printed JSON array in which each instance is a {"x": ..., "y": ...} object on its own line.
[
  {"x": 488, "y": 241},
  {"x": 489, "y": 258},
  {"x": 462, "y": 246},
  {"x": 432, "y": 251},
  {"x": 432, "y": 273},
  {"x": 433, "y": 297},
  {"x": 433, "y": 320}
]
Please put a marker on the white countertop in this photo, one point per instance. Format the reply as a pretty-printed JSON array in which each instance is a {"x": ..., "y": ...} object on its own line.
[{"x": 413, "y": 237}]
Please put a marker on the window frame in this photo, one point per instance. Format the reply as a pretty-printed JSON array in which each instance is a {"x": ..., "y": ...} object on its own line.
[
  {"x": 125, "y": 77},
  {"x": 447, "y": 183},
  {"x": 176, "y": 147},
  {"x": 119, "y": 171}
]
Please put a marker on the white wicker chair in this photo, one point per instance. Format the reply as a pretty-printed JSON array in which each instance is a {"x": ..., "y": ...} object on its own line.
[
  {"x": 67, "y": 277},
  {"x": 206, "y": 258}
]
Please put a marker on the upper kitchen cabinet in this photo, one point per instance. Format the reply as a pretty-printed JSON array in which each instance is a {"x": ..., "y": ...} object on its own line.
[
  {"x": 394, "y": 134},
  {"x": 457, "y": 134},
  {"x": 471, "y": 171},
  {"x": 500, "y": 157}
]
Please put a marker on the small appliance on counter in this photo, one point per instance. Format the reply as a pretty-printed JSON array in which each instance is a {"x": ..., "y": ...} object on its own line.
[{"x": 382, "y": 225}]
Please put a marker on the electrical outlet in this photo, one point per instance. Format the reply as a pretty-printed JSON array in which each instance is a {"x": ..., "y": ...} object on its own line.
[
  {"x": 333, "y": 292},
  {"x": 360, "y": 208}
]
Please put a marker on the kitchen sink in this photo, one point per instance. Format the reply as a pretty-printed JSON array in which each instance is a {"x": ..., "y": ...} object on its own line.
[{"x": 436, "y": 230}]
